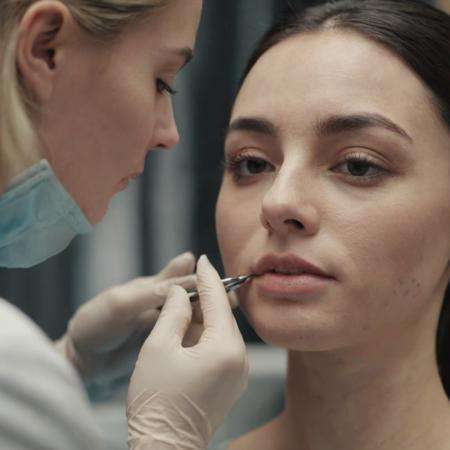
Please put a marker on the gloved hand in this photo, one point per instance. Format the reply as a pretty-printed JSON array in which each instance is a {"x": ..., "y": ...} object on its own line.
[
  {"x": 105, "y": 335},
  {"x": 178, "y": 396}
]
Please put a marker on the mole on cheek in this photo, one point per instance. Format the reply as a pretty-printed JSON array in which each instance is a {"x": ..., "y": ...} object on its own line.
[
  {"x": 408, "y": 289},
  {"x": 411, "y": 290}
]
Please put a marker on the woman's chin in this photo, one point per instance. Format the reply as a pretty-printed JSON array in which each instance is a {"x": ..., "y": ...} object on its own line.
[{"x": 283, "y": 323}]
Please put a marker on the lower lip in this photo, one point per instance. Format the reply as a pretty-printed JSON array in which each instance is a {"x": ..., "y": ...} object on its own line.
[
  {"x": 291, "y": 286},
  {"x": 124, "y": 184}
]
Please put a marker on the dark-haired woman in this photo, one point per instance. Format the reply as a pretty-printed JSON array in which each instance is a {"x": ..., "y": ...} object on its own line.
[{"x": 337, "y": 194}]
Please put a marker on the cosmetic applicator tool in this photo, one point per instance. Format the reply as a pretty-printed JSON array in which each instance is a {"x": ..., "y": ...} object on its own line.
[{"x": 230, "y": 284}]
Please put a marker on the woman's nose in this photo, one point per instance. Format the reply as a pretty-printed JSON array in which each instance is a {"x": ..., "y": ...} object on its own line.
[
  {"x": 166, "y": 131},
  {"x": 286, "y": 208}
]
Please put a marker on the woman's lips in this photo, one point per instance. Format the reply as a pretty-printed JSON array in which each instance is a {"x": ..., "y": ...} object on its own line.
[
  {"x": 287, "y": 275},
  {"x": 279, "y": 285}
]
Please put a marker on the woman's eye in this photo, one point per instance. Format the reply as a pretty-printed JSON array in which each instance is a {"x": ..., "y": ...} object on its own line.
[
  {"x": 362, "y": 169},
  {"x": 252, "y": 166},
  {"x": 246, "y": 166},
  {"x": 162, "y": 86}
]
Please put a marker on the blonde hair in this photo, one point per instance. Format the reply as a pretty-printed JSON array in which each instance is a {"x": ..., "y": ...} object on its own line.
[{"x": 105, "y": 19}]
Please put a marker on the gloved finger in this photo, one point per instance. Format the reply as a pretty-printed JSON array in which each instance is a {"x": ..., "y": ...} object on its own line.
[
  {"x": 174, "y": 319},
  {"x": 147, "y": 320},
  {"x": 193, "y": 334},
  {"x": 183, "y": 264},
  {"x": 234, "y": 301},
  {"x": 144, "y": 294},
  {"x": 162, "y": 286},
  {"x": 197, "y": 315},
  {"x": 214, "y": 301},
  {"x": 187, "y": 282}
]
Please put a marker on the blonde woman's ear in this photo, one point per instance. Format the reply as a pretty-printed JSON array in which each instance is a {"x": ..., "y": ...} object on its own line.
[{"x": 40, "y": 38}]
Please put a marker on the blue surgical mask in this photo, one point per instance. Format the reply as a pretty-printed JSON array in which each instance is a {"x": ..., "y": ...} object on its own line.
[{"x": 38, "y": 218}]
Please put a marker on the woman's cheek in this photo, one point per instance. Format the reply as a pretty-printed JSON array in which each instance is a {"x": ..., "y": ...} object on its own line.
[
  {"x": 235, "y": 224},
  {"x": 226, "y": 233}
]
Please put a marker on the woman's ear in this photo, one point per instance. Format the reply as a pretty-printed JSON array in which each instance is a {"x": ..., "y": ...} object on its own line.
[{"x": 40, "y": 40}]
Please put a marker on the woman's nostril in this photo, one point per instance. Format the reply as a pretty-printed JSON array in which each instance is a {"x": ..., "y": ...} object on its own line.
[{"x": 295, "y": 223}]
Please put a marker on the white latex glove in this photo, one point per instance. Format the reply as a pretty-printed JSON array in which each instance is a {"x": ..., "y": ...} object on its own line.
[
  {"x": 179, "y": 396},
  {"x": 105, "y": 335}
]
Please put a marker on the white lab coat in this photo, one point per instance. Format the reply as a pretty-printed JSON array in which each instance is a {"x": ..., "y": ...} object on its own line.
[{"x": 43, "y": 405}]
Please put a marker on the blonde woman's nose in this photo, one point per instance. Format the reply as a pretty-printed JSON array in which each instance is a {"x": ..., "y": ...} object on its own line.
[{"x": 166, "y": 133}]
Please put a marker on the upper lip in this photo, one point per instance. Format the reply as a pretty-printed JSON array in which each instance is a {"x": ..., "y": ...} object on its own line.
[{"x": 287, "y": 263}]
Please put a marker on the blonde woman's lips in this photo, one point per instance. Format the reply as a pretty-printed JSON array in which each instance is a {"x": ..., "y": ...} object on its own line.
[{"x": 123, "y": 184}]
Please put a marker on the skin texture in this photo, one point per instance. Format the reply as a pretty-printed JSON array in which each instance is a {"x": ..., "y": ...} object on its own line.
[
  {"x": 99, "y": 109},
  {"x": 444, "y": 5},
  {"x": 362, "y": 372}
]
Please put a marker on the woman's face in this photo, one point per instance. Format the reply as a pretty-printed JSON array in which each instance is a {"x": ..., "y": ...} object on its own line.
[
  {"x": 336, "y": 155},
  {"x": 108, "y": 104}
]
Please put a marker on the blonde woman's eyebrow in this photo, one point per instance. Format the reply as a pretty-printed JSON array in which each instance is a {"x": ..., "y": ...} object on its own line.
[
  {"x": 174, "y": 58},
  {"x": 186, "y": 53}
]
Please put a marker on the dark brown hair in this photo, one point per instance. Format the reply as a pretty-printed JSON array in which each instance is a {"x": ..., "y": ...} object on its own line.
[{"x": 415, "y": 31}]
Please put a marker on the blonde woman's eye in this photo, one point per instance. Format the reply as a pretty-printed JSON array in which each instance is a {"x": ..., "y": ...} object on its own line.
[{"x": 162, "y": 86}]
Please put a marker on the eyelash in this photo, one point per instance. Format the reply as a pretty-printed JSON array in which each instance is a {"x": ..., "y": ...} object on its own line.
[
  {"x": 233, "y": 165},
  {"x": 162, "y": 86},
  {"x": 364, "y": 160}
]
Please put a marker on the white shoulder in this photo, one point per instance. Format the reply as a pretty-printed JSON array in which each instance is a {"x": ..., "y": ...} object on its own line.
[{"x": 43, "y": 404}]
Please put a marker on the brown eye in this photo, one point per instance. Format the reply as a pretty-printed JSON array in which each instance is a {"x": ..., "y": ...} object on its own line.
[
  {"x": 253, "y": 166},
  {"x": 246, "y": 167},
  {"x": 358, "y": 168},
  {"x": 361, "y": 169}
]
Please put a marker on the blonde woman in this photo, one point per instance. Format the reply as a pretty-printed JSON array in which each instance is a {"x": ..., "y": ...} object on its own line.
[{"x": 84, "y": 94}]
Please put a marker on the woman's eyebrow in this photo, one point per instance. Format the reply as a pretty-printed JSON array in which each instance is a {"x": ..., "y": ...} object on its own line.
[
  {"x": 253, "y": 125},
  {"x": 336, "y": 124},
  {"x": 185, "y": 54},
  {"x": 326, "y": 127}
]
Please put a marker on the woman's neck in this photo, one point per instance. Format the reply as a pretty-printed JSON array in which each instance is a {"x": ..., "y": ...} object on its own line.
[{"x": 383, "y": 396}]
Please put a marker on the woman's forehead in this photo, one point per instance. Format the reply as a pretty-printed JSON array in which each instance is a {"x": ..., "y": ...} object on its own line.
[{"x": 326, "y": 72}]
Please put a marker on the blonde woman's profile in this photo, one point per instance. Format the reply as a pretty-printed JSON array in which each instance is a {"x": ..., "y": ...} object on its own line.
[{"x": 85, "y": 94}]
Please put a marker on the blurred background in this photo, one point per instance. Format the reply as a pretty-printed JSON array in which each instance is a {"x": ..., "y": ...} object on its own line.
[{"x": 171, "y": 208}]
